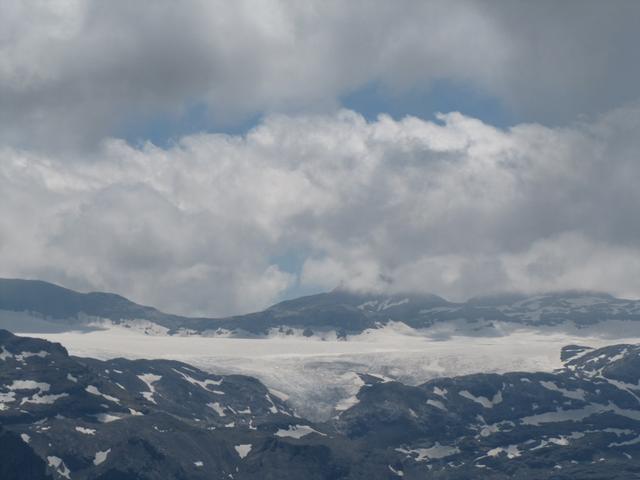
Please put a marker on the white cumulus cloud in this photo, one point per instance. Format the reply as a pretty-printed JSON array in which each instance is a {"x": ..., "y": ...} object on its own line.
[{"x": 452, "y": 206}]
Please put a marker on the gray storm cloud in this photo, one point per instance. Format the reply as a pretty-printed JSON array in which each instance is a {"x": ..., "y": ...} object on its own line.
[
  {"x": 452, "y": 206},
  {"x": 73, "y": 72}
]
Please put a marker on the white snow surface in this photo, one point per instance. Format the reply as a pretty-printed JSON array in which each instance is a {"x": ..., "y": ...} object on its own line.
[
  {"x": 318, "y": 375},
  {"x": 59, "y": 466},
  {"x": 149, "y": 379},
  {"x": 574, "y": 394},
  {"x": 43, "y": 399},
  {"x": 399, "y": 473},
  {"x": 29, "y": 385},
  {"x": 296, "y": 431},
  {"x": 86, "y": 431},
  {"x": 107, "y": 418},
  {"x": 437, "y": 404},
  {"x": 511, "y": 451},
  {"x": 243, "y": 450},
  {"x": 435, "y": 452},
  {"x": 202, "y": 384},
  {"x": 100, "y": 457},
  {"x": 93, "y": 390},
  {"x": 217, "y": 408},
  {"x": 484, "y": 401}
]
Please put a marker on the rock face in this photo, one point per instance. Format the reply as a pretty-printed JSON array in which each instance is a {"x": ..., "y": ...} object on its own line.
[
  {"x": 340, "y": 312},
  {"x": 580, "y": 422},
  {"x": 64, "y": 306},
  {"x": 78, "y": 418},
  {"x": 18, "y": 460},
  {"x": 85, "y": 418}
]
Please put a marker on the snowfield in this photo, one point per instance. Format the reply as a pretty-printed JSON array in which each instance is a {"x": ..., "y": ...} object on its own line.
[{"x": 320, "y": 375}]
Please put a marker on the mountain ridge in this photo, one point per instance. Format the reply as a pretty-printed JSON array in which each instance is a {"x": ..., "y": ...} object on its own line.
[
  {"x": 67, "y": 417},
  {"x": 341, "y": 311}
]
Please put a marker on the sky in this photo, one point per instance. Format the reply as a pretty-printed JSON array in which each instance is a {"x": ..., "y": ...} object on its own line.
[{"x": 215, "y": 157}]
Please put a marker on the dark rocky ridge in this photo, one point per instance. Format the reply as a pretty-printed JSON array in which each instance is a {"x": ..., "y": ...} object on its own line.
[
  {"x": 70, "y": 417},
  {"x": 339, "y": 311}
]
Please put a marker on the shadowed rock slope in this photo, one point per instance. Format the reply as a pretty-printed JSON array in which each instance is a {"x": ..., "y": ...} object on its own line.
[{"x": 79, "y": 418}]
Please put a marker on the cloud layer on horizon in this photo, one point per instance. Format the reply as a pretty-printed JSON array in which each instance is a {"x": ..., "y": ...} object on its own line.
[{"x": 454, "y": 207}]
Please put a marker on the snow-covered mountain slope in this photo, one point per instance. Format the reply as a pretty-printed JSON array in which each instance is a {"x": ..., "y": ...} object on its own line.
[
  {"x": 64, "y": 417},
  {"x": 33, "y": 306}
]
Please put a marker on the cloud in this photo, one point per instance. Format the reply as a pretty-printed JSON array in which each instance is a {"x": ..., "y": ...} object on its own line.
[
  {"x": 75, "y": 71},
  {"x": 453, "y": 206}
]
